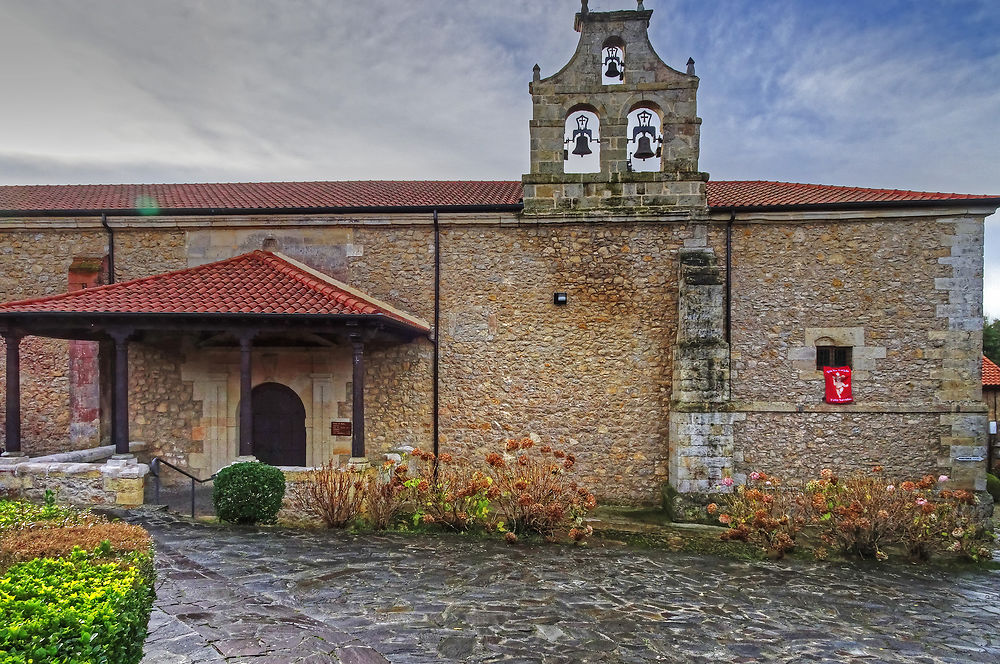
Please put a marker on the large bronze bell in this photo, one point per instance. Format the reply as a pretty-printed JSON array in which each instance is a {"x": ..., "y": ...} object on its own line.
[
  {"x": 612, "y": 71},
  {"x": 644, "y": 149},
  {"x": 582, "y": 145}
]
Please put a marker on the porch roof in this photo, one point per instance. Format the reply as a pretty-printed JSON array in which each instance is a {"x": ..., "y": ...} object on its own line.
[{"x": 258, "y": 285}]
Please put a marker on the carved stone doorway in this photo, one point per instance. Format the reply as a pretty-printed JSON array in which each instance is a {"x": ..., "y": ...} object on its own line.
[{"x": 279, "y": 425}]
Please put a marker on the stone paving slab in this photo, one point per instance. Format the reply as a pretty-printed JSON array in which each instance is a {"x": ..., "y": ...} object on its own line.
[
  {"x": 373, "y": 598},
  {"x": 200, "y": 616}
]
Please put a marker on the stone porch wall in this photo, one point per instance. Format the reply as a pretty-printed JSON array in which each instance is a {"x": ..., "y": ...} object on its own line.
[{"x": 86, "y": 484}]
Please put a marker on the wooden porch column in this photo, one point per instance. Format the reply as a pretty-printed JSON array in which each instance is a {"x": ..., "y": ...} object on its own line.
[
  {"x": 246, "y": 403},
  {"x": 13, "y": 423},
  {"x": 120, "y": 405},
  {"x": 358, "y": 409}
]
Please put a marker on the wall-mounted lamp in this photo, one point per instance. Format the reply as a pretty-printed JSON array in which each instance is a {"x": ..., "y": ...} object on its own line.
[{"x": 559, "y": 299}]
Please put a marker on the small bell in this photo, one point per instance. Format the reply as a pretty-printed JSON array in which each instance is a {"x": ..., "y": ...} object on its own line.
[
  {"x": 616, "y": 68},
  {"x": 582, "y": 145},
  {"x": 644, "y": 149}
]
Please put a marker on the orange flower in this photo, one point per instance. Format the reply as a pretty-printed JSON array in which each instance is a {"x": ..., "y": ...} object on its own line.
[
  {"x": 724, "y": 519},
  {"x": 446, "y": 458},
  {"x": 527, "y": 443},
  {"x": 512, "y": 445},
  {"x": 712, "y": 508}
]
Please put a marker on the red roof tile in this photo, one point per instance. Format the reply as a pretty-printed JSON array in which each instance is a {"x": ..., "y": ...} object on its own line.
[
  {"x": 759, "y": 193},
  {"x": 991, "y": 373},
  {"x": 396, "y": 194},
  {"x": 259, "y": 195},
  {"x": 256, "y": 283}
]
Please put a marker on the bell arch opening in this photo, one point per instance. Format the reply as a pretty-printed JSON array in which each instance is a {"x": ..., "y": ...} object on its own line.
[
  {"x": 613, "y": 61},
  {"x": 582, "y": 140},
  {"x": 645, "y": 138}
]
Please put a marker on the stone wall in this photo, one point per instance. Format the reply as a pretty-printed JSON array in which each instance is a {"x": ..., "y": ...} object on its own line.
[
  {"x": 117, "y": 482},
  {"x": 592, "y": 376},
  {"x": 34, "y": 261},
  {"x": 902, "y": 292},
  {"x": 163, "y": 412}
]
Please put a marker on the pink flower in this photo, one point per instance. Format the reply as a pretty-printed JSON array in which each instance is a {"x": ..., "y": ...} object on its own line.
[
  {"x": 943, "y": 478},
  {"x": 890, "y": 488},
  {"x": 755, "y": 476},
  {"x": 727, "y": 481},
  {"x": 921, "y": 501}
]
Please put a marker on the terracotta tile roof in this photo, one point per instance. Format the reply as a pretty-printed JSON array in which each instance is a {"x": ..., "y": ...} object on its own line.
[
  {"x": 260, "y": 195},
  {"x": 759, "y": 193},
  {"x": 991, "y": 373},
  {"x": 256, "y": 283},
  {"x": 164, "y": 198}
]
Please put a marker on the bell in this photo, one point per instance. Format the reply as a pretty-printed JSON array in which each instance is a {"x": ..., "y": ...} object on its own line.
[
  {"x": 612, "y": 71},
  {"x": 645, "y": 149},
  {"x": 582, "y": 145}
]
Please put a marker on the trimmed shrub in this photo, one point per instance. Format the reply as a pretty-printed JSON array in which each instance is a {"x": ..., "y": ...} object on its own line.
[
  {"x": 248, "y": 492},
  {"x": 993, "y": 486},
  {"x": 75, "y": 611}
]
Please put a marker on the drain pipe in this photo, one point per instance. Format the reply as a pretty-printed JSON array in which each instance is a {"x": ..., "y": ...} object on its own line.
[
  {"x": 437, "y": 331},
  {"x": 111, "y": 247},
  {"x": 729, "y": 295},
  {"x": 729, "y": 277}
]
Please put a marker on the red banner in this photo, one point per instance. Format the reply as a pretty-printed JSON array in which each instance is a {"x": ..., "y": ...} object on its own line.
[{"x": 838, "y": 384}]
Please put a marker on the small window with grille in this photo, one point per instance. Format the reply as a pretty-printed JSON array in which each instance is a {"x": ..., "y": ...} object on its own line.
[{"x": 833, "y": 356}]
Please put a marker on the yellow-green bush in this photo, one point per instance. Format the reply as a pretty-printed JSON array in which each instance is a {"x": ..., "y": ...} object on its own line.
[
  {"x": 74, "y": 607},
  {"x": 74, "y": 610}
]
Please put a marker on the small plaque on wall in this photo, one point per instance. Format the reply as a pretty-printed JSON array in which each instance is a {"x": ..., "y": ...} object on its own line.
[{"x": 340, "y": 428}]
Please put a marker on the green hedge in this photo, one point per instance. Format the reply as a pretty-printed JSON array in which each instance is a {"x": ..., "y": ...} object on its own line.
[
  {"x": 993, "y": 486},
  {"x": 248, "y": 492},
  {"x": 75, "y": 611}
]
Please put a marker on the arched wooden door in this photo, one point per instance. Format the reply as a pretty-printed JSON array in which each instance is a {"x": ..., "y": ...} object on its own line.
[{"x": 279, "y": 425}]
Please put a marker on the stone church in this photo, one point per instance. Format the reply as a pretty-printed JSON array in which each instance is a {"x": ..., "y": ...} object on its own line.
[{"x": 666, "y": 328}]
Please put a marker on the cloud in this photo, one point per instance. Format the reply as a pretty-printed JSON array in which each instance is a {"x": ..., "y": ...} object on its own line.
[{"x": 892, "y": 94}]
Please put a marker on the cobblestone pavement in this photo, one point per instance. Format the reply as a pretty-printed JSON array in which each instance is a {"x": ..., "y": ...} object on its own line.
[{"x": 269, "y": 595}]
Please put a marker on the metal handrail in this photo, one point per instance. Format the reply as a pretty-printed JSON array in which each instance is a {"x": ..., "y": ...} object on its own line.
[{"x": 154, "y": 470}]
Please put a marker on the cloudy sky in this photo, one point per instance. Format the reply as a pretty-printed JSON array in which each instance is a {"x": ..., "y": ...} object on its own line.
[{"x": 876, "y": 93}]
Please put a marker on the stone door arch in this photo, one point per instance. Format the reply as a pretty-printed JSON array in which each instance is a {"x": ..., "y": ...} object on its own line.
[{"x": 279, "y": 425}]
